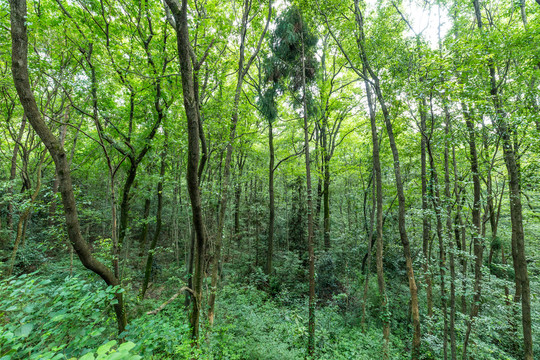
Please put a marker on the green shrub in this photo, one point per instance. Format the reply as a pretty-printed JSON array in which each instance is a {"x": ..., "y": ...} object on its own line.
[{"x": 42, "y": 320}]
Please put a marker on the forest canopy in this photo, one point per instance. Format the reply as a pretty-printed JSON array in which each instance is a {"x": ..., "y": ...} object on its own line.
[{"x": 253, "y": 179}]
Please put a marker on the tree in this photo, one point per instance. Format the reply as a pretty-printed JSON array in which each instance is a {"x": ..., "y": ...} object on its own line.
[
  {"x": 523, "y": 291},
  {"x": 22, "y": 83},
  {"x": 292, "y": 67},
  {"x": 180, "y": 23}
]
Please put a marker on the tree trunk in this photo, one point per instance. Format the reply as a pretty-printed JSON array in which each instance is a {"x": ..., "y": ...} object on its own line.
[
  {"x": 449, "y": 231},
  {"x": 242, "y": 70},
  {"x": 437, "y": 205},
  {"x": 21, "y": 225},
  {"x": 52, "y": 206},
  {"x": 379, "y": 200},
  {"x": 459, "y": 231},
  {"x": 426, "y": 224},
  {"x": 415, "y": 351},
  {"x": 22, "y": 84},
  {"x": 193, "y": 123},
  {"x": 150, "y": 258},
  {"x": 311, "y": 320},
  {"x": 144, "y": 233},
  {"x": 13, "y": 171},
  {"x": 370, "y": 236},
  {"x": 476, "y": 223},
  {"x": 326, "y": 200},
  {"x": 516, "y": 216},
  {"x": 271, "y": 205}
]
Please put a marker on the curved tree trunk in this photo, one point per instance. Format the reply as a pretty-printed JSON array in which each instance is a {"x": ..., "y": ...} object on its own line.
[{"x": 26, "y": 96}]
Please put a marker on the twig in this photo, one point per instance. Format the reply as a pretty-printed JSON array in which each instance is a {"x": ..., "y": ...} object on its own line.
[{"x": 185, "y": 288}]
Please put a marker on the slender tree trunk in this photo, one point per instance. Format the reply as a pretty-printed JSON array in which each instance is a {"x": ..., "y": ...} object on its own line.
[
  {"x": 415, "y": 351},
  {"x": 516, "y": 217},
  {"x": 449, "y": 231},
  {"x": 311, "y": 321},
  {"x": 437, "y": 205},
  {"x": 150, "y": 258},
  {"x": 242, "y": 70},
  {"x": 459, "y": 231},
  {"x": 124, "y": 204},
  {"x": 511, "y": 160},
  {"x": 326, "y": 200},
  {"x": 271, "y": 204},
  {"x": 426, "y": 224},
  {"x": 13, "y": 170},
  {"x": 238, "y": 197},
  {"x": 476, "y": 223},
  {"x": 370, "y": 235},
  {"x": 144, "y": 233},
  {"x": 114, "y": 226},
  {"x": 52, "y": 205},
  {"x": 379, "y": 200},
  {"x": 21, "y": 225},
  {"x": 193, "y": 121}
]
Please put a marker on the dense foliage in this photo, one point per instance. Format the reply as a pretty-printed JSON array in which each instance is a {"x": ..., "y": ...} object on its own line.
[{"x": 259, "y": 180}]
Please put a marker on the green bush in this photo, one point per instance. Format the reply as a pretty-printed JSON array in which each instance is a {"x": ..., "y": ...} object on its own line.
[{"x": 43, "y": 320}]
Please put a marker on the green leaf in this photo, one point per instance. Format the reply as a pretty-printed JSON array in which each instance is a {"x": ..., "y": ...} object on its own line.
[
  {"x": 126, "y": 346},
  {"x": 105, "y": 348},
  {"x": 88, "y": 356},
  {"x": 25, "y": 330},
  {"x": 116, "y": 356}
]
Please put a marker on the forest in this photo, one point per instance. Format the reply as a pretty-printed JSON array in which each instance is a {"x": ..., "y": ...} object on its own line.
[{"x": 259, "y": 179}]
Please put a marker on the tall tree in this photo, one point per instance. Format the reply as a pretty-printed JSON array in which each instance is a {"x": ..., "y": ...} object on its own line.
[
  {"x": 292, "y": 68},
  {"x": 243, "y": 68},
  {"x": 21, "y": 79},
  {"x": 511, "y": 159},
  {"x": 179, "y": 21}
]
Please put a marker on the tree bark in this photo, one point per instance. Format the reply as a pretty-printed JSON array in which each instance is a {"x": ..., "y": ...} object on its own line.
[
  {"x": 143, "y": 240},
  {"x": 326, "y": 199},
  {"x": 449, "y": 231},
  {"x": 511, "y": 160}
]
